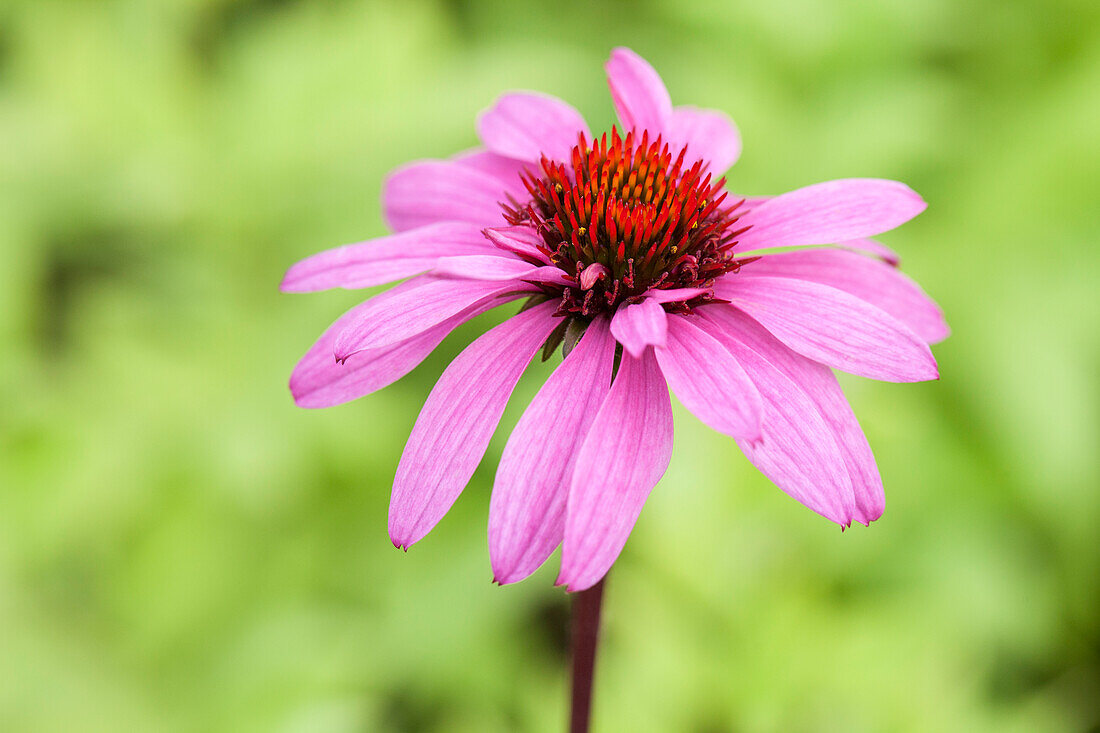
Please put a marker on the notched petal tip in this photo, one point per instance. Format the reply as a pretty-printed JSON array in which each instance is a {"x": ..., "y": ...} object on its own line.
[
  {"x": 571, "y": 587},
  {"x": 503, "y": 579}
]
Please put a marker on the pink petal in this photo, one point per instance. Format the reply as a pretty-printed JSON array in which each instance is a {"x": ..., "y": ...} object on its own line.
[
  {"x": 520, "y": 240},
  {"x": 639, "y": 325},
  {"x": 383, "y": 260},
  {"x": 498, "y": 268},
  {"x": 832, "y": 327},
  {"x": 749, "y": 202},
  {"x": 527, "y": 510},
  {"x": 639, "y": 94},
  {"x": 830, "y": 212},
  {"x": 876, "y": 249},
  {"x": 709, "y": 135},
  {"x": 548, "y": 274},
  {"x": 413, "y": 307},
  {"x": 457, "y": 421},
  {"x": 710, "y": 382},
  {"x": 675, "y": 295},
  {"x": 593, "y": 274},
  {"x": 504, "y": 169},
  {"x": 867, "y": 246},
  {"x": 319, "y": 380},
  {"x": 868, "y": 279},
  {"x": 819, "y": 382},
  {"x": 797, "y": 450},
  {"x": 526, "y": 126},
  {"x": 624, "y": 454},
  {"x": 483, "y": 267},
  {"x": 432, "y": 191}
]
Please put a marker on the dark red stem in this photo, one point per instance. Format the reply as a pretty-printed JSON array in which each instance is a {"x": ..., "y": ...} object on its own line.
[{"x": 585, "y": 636}]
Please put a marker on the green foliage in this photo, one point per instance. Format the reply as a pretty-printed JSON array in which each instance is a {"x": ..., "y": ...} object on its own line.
[{"x": 181, "y": 549}]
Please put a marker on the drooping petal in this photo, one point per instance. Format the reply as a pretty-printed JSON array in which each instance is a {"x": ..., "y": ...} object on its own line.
[
  {"x": 413, "y": 307},
  {"x": 640, "y": 97},
  {"x": 318, "y": 380},
  {"x": 624, "y": 454},
  {"x": 527, "y": 510},
  {"x": 797, "y": 450},
  {"x": 457, "y": 421},
  {"x": 830, "y": 212},
  {"x": 432, "y": 191},
  {"x": 708, "y": 380},
  {"x": 709, "y": 135},
  {"x": 527, "y": 125},
  {"x": 832, "y": 327},
  {"x": 819, "y": 383},
  {"x": 639, "y": 325},
  {"x": 386, "y": 259},
  {"x": 868, "y": 279},
  {"x": 520, "y": 240}
]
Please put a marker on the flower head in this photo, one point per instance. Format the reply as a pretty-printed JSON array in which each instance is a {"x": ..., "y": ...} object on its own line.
[
  {"x": 626, "y": 216},
  {"x": 633, "y": 257}
]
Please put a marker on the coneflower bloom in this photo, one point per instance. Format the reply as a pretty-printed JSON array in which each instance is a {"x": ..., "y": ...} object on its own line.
[{"x": 634, "y": 259}]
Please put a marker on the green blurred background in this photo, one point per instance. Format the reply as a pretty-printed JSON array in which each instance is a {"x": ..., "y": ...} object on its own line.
[{"x": 181, "y": 549}]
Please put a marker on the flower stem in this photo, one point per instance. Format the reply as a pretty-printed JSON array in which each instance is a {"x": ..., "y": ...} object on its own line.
[{"x": 585, "y": 635}]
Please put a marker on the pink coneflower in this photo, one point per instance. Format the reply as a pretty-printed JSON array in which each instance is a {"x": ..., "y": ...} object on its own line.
[{"x": 634, "y": 259}]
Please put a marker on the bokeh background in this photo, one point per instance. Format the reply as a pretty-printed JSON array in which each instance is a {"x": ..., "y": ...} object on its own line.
[{"x": 181, "y": 549}]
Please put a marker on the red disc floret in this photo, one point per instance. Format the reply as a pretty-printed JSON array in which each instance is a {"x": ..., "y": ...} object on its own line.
[{"x": 624, "y": 216}]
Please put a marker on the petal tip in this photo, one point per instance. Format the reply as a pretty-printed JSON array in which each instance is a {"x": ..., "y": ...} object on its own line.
[
  {"x": 505, "y": 578},
  {"x": 287, "y": 284},
  {"x": 617, "y": 52},
  {"x": 401, "y": 539}
]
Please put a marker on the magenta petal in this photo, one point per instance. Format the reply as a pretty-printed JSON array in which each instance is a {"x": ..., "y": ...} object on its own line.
[
  {"x": 383, "y": 260},
  {"x": 749, "y": 202},
  {"x": 639, "y": 94},
  {"x": 520, "y": 240},
  {"x": 432, "y": 191},
  {"x": 504, "y": 169},
  {"x": 832, "y": 327},
  {"x": 867, "y": 246},
  {"x": 675, "y": 295},
  {"x": 830, "y": 212},
  {"x": 710, "y": 382},
  {"x": 876, "y": 249},
  {"x": 709, "y": 135},
  {"x": 624, "y": 454},
  {"x": 457, "y": 421},
  {"x": 527, "y": 510},
  {"x": 495, "y": 266},
  {"x": 498, "y": 268},
  {"x": 819, "y": 383},
  {"x": 797, "y": 450},
  {"x": 639, "y": 325},
  {"x": 526, "y": 126},
  {"x": 548, "y": 274},
  {"x": 318, "y": 380},
  {"x": 592, "y": 275},
  {"x": 868, "y": 279},
  {"x": 413, "y": 307}
]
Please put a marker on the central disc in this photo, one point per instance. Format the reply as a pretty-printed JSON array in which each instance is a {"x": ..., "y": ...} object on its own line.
[{"x": 625, "y": 217}]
